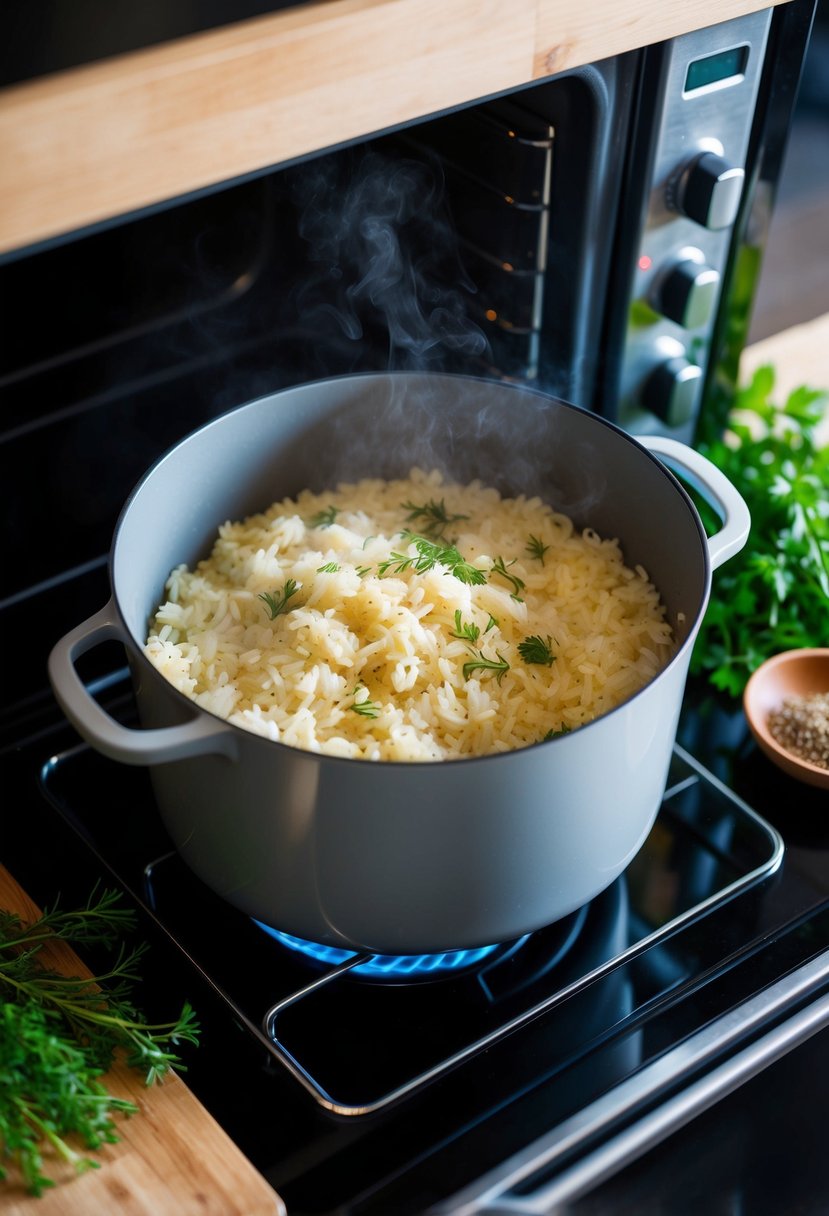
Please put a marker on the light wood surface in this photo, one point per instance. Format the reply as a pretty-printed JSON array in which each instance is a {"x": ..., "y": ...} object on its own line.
[
  {"x": 799, "y": 355},
  {"x": 82, "y": 146},
  {"x": 173, "y": 1159}
]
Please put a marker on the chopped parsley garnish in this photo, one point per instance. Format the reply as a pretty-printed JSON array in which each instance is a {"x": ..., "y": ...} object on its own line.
[
  {"x": 277, "y": 602},
  {"x": 434, "y": 515},
  {"x": 492, "y": 623},
  {"x": 536, "y": 548},
  {"x": 536, "y": 649},
  {"x": 518, "y": 584}
]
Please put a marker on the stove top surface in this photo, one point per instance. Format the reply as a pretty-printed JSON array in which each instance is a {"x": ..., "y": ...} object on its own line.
[
  {"x": 322, "y": 1068},
  {"x": 345, "y": 1063},
  {"x": 362, "y": 1032}
]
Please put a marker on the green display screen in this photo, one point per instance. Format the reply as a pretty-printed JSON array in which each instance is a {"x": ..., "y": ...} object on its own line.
[{"x": 714, "y": 68}]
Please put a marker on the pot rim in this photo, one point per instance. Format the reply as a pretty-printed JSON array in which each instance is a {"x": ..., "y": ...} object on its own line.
[{"x": 137, "y": 651}]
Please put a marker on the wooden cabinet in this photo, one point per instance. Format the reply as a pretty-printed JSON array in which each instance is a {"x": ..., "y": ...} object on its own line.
[{"x": 81, "y": 146}]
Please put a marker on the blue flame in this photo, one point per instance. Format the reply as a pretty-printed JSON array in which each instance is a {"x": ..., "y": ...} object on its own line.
[{"x": 385, "y": 964}]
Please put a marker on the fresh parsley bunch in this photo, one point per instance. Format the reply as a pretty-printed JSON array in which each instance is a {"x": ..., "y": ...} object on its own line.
[
  {"x": 59, "y": 1034},
  {"x": 774, "y": 595}
]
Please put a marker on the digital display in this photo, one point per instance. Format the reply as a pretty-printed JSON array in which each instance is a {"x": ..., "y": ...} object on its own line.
[{"x": 714, "y": 69}]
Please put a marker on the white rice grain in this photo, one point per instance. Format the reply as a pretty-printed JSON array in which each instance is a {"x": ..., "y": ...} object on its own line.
[{"x": 371, "y": 659}]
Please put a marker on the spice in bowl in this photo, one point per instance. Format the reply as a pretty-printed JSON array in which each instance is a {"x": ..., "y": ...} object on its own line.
[
  {"x": 801, "y": 726},
  {"x": 786, "y": 702}
]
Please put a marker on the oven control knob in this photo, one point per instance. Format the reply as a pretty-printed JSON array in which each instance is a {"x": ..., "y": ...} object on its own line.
[
  {"x": 688, "y": 292},
  {"x": 708, "y": 191},
  {"x": 670, "y": 391}
]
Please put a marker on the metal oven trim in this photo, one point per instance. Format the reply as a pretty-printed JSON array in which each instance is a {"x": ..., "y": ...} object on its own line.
[{"x": 491, "y": 1194}]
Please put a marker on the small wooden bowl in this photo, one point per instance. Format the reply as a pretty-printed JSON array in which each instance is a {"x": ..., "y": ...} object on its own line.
[{"x": 799, "y": 673}]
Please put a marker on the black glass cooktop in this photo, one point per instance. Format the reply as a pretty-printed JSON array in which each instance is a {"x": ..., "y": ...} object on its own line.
[
  {"x": 360, "y": 1033},
  {"x": 369, "y": 1086}
]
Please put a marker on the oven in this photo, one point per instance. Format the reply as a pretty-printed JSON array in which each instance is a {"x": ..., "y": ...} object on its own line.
[{"x": 595, "y": 234}]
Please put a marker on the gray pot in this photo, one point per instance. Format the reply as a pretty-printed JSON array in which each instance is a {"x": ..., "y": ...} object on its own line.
[{"x": 402, "y": 858}]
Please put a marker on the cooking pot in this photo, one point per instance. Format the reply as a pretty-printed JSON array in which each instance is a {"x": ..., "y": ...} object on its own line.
[{"x": 403, "y": 858}]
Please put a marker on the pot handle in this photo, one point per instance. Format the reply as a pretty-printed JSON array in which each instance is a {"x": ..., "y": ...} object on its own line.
[
  {"x": 715, "y": 488},
  {"x": 126, "y": 744}
]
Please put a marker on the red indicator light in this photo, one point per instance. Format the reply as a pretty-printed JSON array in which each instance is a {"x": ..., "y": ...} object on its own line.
[{"x": 645, "y": 262}]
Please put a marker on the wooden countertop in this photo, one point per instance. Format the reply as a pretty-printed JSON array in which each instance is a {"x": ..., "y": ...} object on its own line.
[
  {"x": 799, "y": 355},
  {"x": 172, "y": 1159},
  {"x": 81, "y": 146}
]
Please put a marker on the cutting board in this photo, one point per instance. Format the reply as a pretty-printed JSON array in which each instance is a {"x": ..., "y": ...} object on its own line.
[{"x": 172, "y": 1158}]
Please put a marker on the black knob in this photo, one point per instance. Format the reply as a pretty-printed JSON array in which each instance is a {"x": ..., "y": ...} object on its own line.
[
  {"x": 709, "y": 191},
  {"x": 687, "y": 293},
  {"x": 670, "y": 391}
]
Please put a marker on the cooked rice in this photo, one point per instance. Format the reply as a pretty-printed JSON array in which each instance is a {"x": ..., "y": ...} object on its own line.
[{"x": 360, "y": 635}]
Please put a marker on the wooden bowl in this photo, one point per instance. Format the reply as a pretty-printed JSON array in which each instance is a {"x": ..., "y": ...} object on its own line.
[{"x": 792, "y": 673}]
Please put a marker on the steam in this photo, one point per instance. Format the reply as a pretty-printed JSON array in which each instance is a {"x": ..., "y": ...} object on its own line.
[
  {"x": 381, "y": 263},
  {"x": 378, "y": 235}
]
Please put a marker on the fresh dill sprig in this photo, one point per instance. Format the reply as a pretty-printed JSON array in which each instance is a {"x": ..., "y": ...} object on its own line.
[
  {"x": 100, "y": 922},
  {"x": 59, "y": 1034},
  {"x": 328, "y": 568},
  {"x": 429, "y": 555},
  {"x": 536, "y": 649},
  {"x": 324, "y": 518},
  {"x": 480, "y": 663},
  {"x": 434, "y": 514},
  {"x": 362, "y": 570},
  {"x": 536, "y": 548},
  {"x": 469, "y": 632},
  {"x": 518, "y": 584},
  {"x": 277, "y": 601}
]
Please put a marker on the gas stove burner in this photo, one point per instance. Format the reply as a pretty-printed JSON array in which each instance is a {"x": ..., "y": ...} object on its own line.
[{"x": 386, "y": 966}]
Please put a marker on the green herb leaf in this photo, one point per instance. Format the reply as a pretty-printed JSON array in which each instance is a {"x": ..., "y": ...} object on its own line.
[
  {"x": 469, "y": 632},
  {"x": 429, "y": 555},
  {"x": 536, "y": 548},
  {"x": 555, "y": 734},
  {"x": 328, "y": 568},
  {"x": 277, "y": 602},
  {"x": 480, "y": 663},
  {"x": 434, "y": 515},
  {"x": 366, "y": 708},
  {"x": 774, "y": 594},
  {"x": 536, "y": 649},
  {"x": 518, "y": 584},
  {"x": 59, "y": 1034},
  {"x": 324, "y": 518}
]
